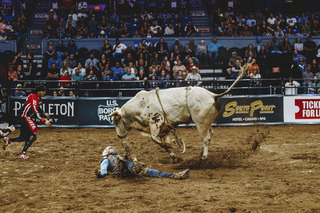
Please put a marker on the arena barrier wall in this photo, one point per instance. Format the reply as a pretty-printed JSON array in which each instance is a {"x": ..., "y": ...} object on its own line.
[
  {"x": 302, "y": 109},
  {"x": 77, "y": 112}
]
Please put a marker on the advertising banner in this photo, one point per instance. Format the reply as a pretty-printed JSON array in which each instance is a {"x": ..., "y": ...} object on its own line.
[
  {"x": 302, "y": 109},
  {"x": 62, "y": 110},
  {"x": 96, "y": 111},
  {"x": 3, "y": 109},
  {"x": 262, "y": 109}
]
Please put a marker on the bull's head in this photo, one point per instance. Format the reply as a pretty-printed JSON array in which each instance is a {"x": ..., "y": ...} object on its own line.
[{"x": 120, "y": 122}]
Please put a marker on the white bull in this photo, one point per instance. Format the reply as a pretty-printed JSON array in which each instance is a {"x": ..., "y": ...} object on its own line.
[{"x": 155, "y": 112}]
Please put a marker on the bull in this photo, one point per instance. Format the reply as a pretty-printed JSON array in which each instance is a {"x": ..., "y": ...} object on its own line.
[{"x": 155, "y": 113}]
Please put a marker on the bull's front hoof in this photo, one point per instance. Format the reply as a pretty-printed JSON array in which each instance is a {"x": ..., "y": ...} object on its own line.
[{"x": 204, "y": 157}]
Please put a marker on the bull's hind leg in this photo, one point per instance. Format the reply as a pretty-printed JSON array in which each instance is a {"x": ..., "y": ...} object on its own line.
[{"x": 206, "y": 133}]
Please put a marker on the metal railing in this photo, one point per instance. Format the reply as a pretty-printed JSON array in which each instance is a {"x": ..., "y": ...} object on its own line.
[{"x": 130, "y": 88}]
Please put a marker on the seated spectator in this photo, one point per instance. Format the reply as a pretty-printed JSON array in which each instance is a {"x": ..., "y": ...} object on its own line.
[
  {"x": 187, "y": 52},
  {"x": 57, "y": 61},
  {"x": 162, "y": 48},
  {"x": 92, "y": 59},
  {"x": 132, "y": 68},
  {"x": 12, "y": 76},
  {"x": 125, "y": 33},
  {"x": 176, "y": 52},
  {"x": 179, "y": 30},
  {"x": 298, "y": 45},
  {"x": 176, "y": 43},
  {"x": 118, "y": 49},
  {"x": 192, "y": 46},
  {"x": 291, "y": 21},
  {"x": 249, "y": 58},
  {"x": 190, "y": 30},
  {"x": 271, "y": 20},
  {"x": 178, "y": 67},
  {"x": 180, "y": 79},
  {"x": 194, "y": 77},
  {"x": 71, "y": 27},
  {"x": 31, "y": 66},
  {"x": 169, "y": 30},
  {"x": 106, "y": 73},
  {"x": 286, "y": 46},
  {"x": 213, "y": 48},
  {"x": 309, "y": 48},
  {"x": 90, "y": 68},
  {"x": 128, "y": 77},
  {"x": 313, "y": 86},
  {"x": 136, "y": 34},
  {"x": 64, "y": 78},
  {"x": 235, "y": 70},
  {"x": 245, "y": 32},
  {"x": 291, "y": 87},
  {"x": 76, "y": 75},
  {"x": 142, "y": 77},
  {"x": 53, "y": 72},
  {"x": 61, "y": 50},
  {"x": 154, "y": 26},
  {"x": 190, "y": 64},
  {"x": 154, "y": 70},
  {"x": 307, "y": 76},
  {"x": 21, "y": 75},
  {"x": 93, "y": 24},
  {"x": 106, "y": 48},
  {"x": 49, "y": 51},
  {"x": 72, "y": 48},
  {"x": 296, "y": 56},
  {"x": 65, "y": 68},
  {"x": 315, "y": 67},
  {"x": 91, "y": 77},
  {"x": 262, "y": 60},
  {"x": 274, "y": 45},
  {"x": 254, "y": 65},
  {"x": 163, "y": 78},
  {"x": 117, "y": 72},
  {"x": 71, "y": 61},
  {"x": 19, "y": 92},
  {"x": 202, "y": 53},
  {"x": 81, "y": 70},
  {"x": 250, "y": 48},
  {"x": 255, "y": 79},
  {"x": 232, "y": 61},
  {"x": 302, "y": 66}
]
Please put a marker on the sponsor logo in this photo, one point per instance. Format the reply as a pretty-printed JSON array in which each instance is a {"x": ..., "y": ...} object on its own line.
[
  {"x": 233, "y": 108},
  {"x": 105, "y": 110},
  {"x": 308, "y": 109}
]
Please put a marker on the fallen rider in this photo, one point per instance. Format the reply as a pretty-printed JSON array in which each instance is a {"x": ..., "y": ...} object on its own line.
[{"x": 128, "y": 166}]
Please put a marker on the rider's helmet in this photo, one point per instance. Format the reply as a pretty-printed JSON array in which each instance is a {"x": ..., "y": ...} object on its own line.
[{"x": 109, "y": 150}]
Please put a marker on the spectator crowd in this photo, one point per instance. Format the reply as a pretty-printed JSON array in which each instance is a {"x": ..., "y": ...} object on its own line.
[{"x": 154, "y": 64}]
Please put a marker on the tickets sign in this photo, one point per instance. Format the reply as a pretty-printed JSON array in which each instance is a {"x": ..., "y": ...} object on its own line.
[{"x": 301, "y": 109}]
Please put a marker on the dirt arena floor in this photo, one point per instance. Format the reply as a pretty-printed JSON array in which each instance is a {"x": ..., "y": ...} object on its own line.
[{"x": 250, "y": 169}]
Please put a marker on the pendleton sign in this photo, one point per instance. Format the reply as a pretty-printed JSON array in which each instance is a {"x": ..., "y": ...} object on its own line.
[{"x": 251, "y": 110}]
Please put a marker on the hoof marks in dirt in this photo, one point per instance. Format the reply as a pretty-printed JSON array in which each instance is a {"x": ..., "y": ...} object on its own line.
[{"x": 221, "y": 158}]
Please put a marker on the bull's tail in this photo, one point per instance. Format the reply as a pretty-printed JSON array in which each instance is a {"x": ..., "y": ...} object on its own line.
[{"x": 246, "y": 67}]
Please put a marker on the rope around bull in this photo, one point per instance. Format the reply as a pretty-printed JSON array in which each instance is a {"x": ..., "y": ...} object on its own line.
[{"x": 171, "y": 128}]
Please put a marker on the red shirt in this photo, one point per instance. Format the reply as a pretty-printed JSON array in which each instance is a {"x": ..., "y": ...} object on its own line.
[
  {"x": 31, "y": 105},
  {"x": 64, "y": 84}
]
